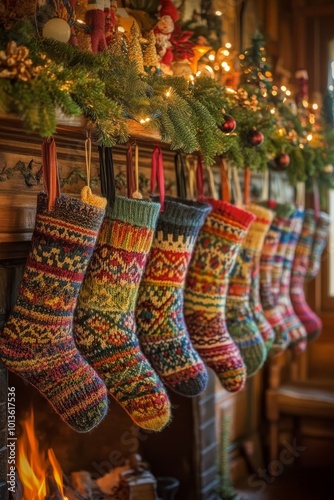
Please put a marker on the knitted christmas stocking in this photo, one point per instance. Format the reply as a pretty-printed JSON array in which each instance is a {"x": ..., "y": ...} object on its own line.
[
  {"x": 37, "y": 341},
  {"x": 215, "y": 253},
  {"x": 104, "y": 322},
  {"x": 263, "y": 220},
  {"x": 318, "y": 246},
  {"x": 240, "y": 321},
  {"x": 309, "y": 319},
  {"x": 162, "y": 331},
  {"x": 297, "y": 332},
  {"x": 268, "y": 267}
]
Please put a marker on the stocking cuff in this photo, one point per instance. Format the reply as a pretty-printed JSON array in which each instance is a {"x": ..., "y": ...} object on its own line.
[
  {"x": 263, "y": 215},
  {"x": 258, "y": 230},
  {"x": 323, "y": 220},
  {"x": 298, "y": 213},
  {"x": 184, "y": 213},
  {"x": 234, "y": 213},
  {"x": 134, "y": 211},
  {"x": 72, "y": 210},
  {"x": 310, "y": 221}
]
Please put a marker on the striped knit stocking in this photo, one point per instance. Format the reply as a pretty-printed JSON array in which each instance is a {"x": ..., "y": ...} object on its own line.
[
  {"x": 215, "y": 253},
  {"x": 264, "y": 218},
  {"x": 297, "y": 332},
  {"x": 269, "y": 268},
  {"x": 240, "y": 321},
  {"x": 309, "y": 319},
  {"x": 318, "y": 246},
  {"x": 162, "y": 331},
  {"x": 104, "y": 323},
  {"x": 37, "y": 341}
]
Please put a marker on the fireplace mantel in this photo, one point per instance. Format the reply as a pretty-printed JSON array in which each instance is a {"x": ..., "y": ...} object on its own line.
[{"x": 20, "y": 176}]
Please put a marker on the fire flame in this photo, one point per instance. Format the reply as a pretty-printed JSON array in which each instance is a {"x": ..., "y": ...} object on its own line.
[{"x": 35, "y": 466}]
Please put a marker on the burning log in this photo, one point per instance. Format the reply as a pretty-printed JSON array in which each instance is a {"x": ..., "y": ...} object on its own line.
[
  {"x": 129, "y": 481},
  {"x": 87, "y": 488},
  {"x": 52, "y": 489},
  {"x": 71, "y": 494}
]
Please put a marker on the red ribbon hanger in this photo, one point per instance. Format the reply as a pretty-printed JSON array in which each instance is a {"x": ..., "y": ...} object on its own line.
[
  {"x": 50, "y": 171},
  {"x": 157, "y": 175}
]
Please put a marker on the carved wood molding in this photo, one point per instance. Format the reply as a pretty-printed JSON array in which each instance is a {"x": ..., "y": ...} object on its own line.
[{"x": 20, "y": 165}]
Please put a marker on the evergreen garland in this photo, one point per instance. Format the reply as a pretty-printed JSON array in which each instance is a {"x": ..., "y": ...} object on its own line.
[{"x": 108, "y": 90}]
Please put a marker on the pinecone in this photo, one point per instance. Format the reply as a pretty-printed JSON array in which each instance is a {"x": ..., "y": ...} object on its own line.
[{"x": 15, "y": 63}]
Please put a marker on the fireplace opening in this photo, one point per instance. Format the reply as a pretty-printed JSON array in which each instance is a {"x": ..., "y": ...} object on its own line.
[
  {"x": 53, "y": 462},
  {"x": 39, "y": 471}
]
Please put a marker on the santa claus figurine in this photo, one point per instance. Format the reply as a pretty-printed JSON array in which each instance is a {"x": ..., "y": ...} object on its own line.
[
  {"x": 96, "y": 20},
  {"x": 163, "y": 30}
]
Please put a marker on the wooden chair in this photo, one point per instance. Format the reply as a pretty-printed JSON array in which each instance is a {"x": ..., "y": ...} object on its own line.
[{"x": 290, "y": 393}]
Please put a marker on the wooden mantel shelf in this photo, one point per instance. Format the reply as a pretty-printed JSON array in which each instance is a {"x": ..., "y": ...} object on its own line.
[
  {"x": 79, "y": 125},
  {"x": 20, "y": 164}
]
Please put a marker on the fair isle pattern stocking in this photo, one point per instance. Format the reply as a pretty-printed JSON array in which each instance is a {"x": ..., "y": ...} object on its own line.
[
  {"x": 162, "y": 331},
  {"x": 104, "y": 324},
  {"x": 277, "y": 265},
  {"x": 240, "y": 321},
  {"x": 297, "y": 332},
  {"x": 37, "y": 342},
  {"x": 263, "y": 220},
  {"x": 215, "y": 253},
  {"x": 318, "y": 246},
  {"x": 267, "y": 262},
  {"x": 309, "y": 319}
]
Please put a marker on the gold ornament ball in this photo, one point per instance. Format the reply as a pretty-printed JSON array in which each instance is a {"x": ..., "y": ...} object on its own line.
[
  {"x": 328, "y": 169},
  {"x": 57, "y": 29}
]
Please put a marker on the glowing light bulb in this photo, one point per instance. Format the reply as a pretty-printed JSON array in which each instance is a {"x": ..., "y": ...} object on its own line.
[
  {"x": 315, "y": 106},
  {"x": 309, "y": 137},
  {"x": 228, "y": 45},
  {"x": 283, "y": 88},
  {"x": 218, "y": 13}
]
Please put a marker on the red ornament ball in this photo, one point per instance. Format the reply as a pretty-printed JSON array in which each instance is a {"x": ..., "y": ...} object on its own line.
[
  {"x": 282, "y": 161},
  {"x": 229, "y": 124},
  {"x": 255, "y": 138}
]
